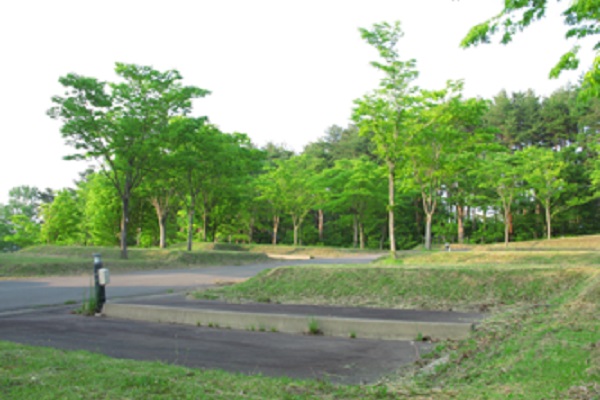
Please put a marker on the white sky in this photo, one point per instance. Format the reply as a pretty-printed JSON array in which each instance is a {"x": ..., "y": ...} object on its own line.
[{"x": 280, "y": 71}]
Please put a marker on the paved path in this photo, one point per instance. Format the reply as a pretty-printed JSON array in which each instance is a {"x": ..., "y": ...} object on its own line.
[
  {"x": 34, "y": 292},
  {"x": 275, "y": 354},
  {"x": 337, "y": 359}
]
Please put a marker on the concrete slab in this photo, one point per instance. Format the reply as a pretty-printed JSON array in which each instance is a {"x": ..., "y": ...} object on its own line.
[{"x": 332, "y": 321}]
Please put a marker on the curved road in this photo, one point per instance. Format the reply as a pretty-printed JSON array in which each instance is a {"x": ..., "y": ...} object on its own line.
[{"x": 20, "y": 294}]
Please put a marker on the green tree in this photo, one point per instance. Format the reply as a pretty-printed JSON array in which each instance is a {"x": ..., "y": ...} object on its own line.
[
  {"x": 5, "y": 243},
  {"x": 385, "y": 113},
  {"x": 121, "y": 124},
  {"x": 24, "y": 200},
  {"x": 516, "y": 118},
  {"x": 22, "y": 215},
  {"x": 101, "y": 210},
  {"x": 356, "y": 187},
  {"x": 502, "y": 173},
  {"x": 543, "y": 170},
  {"x": 445, "y": 127},
  {"x": 269, "y": 186},
  {"x": 62, "y": 219},
  {"x": 581, "y": 16}
]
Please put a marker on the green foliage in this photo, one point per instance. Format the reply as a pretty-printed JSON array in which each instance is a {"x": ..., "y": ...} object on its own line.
[
  {"x": 122, "y": 124},
  {"x": 62, "y": 219},
  {"x": 582, "y": 17},
  {"x": 313, "y": 327},
  {"x": 386, "y": 113}
]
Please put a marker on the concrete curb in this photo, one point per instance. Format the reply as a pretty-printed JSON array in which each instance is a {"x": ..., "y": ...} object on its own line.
[
  {"x": 331, "y": 326},
  {"x": 290, "y": 256}
]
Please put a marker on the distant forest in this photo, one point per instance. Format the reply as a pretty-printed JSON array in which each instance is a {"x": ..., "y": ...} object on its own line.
[{"x": 533, "y": 173}]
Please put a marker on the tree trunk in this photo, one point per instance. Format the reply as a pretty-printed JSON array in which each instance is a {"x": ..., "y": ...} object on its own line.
[
  {"x": 190, "y": 230},
  {"x": 162, "y": 226},
  {"x": 537, "y": 219},
  {"x": 361, "y": 231},
  {"x": 460, "y": 219},
  {"x": 275, "y": 228},
  {"x": 391, "y": 192},
  {"x": 428, "y": 219},
  {"x": 548, "y": 220},
  {"x": 506, "y": 227},
  {"x": 321, "y": 225},
  {"x": 124, "y": 221},
  {"x": 161, "y": 214},
  {"x": 296, "y": 228}
]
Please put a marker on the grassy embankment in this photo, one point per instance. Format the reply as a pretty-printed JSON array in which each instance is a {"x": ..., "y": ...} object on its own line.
[{"x": 541, "y": 342}]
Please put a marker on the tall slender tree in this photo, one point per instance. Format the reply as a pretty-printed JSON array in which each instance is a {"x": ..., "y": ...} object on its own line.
[{"x": 385, "y": 112}]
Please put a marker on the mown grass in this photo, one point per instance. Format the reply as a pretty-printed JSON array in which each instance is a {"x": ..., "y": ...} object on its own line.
[
  {"x": 436, "y": 289},
  {"x": 589, "y": 242},
  {"x": 282, "y": 249},
  {"x": 73, "y": 260},
  {"x": 520, "y": 259},
  {"x": 526, "y": 353},
  {"x": 41, "y": 373}
]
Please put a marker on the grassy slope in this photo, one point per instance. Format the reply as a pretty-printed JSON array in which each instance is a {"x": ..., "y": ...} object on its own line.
[
  {"x": 542, "y": 343},
  {"x": 68, "y": 260},
  {"x": 428, "y": 288}
]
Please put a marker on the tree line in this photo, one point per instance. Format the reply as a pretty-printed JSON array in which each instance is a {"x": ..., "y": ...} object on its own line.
[{"x": 414, "y": 167}]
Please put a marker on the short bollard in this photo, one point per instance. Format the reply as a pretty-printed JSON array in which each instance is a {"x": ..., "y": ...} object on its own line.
[{"x": 101, "y": 279}]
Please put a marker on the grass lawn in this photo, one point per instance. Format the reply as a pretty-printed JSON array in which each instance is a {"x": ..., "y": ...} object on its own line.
[
  {"x": 42, "y": 373},
  {"x": 72, "y": 260}
]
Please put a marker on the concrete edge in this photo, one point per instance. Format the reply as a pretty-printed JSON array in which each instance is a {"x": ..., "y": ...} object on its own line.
[
  {"x": 298, "y": 324},
  {"x": 290, "y": 256}
]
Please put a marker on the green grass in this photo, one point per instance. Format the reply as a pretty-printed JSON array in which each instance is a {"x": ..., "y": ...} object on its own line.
[
  {"x": 73, "y": 260},
  {"x": 589, "y": 242},
  {"x": 397, "y": 287},
  {"x": 282, "y": 249},
  {"x": 42, "y": 373},
  {"x": 527, "y": 353},
  {"x": 505, "y": 259}
]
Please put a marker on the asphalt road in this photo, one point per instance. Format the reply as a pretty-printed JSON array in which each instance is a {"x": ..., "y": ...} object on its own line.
[
  {"x": 340, "y": 360},
  {"x": 23, "y": 320},
  {"x": 19, "y": 294}
]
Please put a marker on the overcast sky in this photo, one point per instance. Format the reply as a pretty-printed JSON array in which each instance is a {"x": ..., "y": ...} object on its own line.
[{"x": 280, "y": 71}]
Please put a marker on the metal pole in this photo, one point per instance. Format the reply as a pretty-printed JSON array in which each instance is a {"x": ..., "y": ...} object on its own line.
[{"x": 100, "y": 291}]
